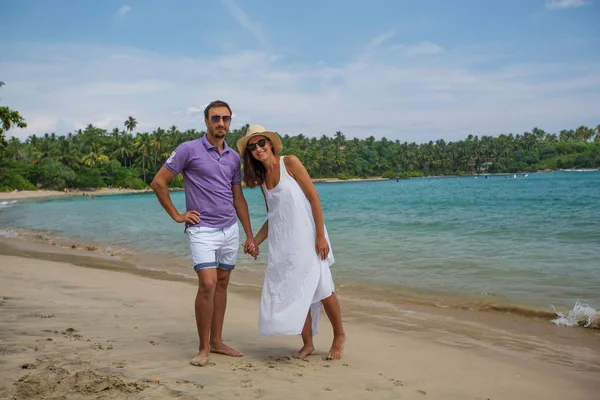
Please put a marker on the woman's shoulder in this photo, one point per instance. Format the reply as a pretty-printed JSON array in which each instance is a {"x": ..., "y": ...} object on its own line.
[
  {"x": 294, "y": 166},
  {"x": 291, "y": 160}
]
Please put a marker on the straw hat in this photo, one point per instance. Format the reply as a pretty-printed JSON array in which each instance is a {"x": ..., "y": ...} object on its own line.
[{"x": 257, "y": 130}]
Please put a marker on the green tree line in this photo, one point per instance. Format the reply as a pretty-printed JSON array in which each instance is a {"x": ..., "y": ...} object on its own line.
[{"x": 95, "y": 157}]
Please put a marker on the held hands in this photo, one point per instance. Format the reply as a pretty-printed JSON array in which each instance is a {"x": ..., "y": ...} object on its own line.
[
  {"x": 250, "y": 247},
  {"x": 191, "y": 217},
  {"x": 322, "y": 247}
]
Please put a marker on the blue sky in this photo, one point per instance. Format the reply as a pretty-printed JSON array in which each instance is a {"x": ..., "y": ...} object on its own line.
[{"x": 413, "y": 70}]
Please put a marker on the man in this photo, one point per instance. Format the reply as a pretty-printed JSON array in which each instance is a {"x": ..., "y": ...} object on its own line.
[{"x": 213, "y": 196}]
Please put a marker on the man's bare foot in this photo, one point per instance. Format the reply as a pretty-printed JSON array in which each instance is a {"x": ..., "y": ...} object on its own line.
[
  {"x": 337, "y": 347},
  {"x": 200, "y": 360},
  {"x": 305, "y": 351},
  {"x": 225, "y": 350}
]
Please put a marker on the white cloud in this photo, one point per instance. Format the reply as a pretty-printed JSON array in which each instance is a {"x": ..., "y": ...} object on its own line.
[
  {"x": 124, "y": 10},
  {"x": 558, "y": 4},
  {"x": 421, "y": 48},
  {"x": 396, "y": 94},
  {"x": 193, "y": 110},
  {"x": 380, "y": 39},
  {"x": 242, "y": 19}
]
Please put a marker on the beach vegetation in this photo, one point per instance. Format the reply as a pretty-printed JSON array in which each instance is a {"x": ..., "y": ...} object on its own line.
[{"x": 95, "y": 158}]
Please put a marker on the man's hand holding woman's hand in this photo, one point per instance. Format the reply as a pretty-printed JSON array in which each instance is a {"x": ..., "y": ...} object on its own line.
[{"x": 250, "y": 247}]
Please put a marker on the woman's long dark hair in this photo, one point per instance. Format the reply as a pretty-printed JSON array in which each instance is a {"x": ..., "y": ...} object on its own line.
[{"x": 254, "y": 170}]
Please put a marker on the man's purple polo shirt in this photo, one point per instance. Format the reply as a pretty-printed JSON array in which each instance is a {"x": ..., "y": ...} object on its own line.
[{"x": 207, "y": 178}]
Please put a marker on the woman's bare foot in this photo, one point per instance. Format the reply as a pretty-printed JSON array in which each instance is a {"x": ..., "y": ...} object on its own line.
[
  {"x": 200, "y": 360},
  {"x": 337, "y": 347},
  {"x": 225, "y": 350},
  {"x": 305, "y": 351}
]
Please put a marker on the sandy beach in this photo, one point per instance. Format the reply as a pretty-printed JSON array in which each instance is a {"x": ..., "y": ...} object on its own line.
[
  {"x": 86, "y": 326},
  {"x": 42, "y": 193}
]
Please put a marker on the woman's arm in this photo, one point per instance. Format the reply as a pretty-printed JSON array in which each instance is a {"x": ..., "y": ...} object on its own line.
[
  {"x": 299, "y": 173},
  {"x": 263, "y": 233}
]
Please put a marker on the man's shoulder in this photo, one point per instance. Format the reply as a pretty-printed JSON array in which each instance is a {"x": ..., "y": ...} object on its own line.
[
  {"x": 188, "y": 148},
  {"x": 181, "y": 155},
  {"x": 189, "y": 144}
]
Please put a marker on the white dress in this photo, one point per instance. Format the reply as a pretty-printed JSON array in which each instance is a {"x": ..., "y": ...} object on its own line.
[{"x": 296, "y": 279}]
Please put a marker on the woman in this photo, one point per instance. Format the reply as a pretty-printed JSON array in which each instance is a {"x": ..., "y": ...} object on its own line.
[{"x": 298, "y": 279}]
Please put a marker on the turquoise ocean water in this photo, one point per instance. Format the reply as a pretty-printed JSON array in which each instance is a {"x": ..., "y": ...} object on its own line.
[{"x": 531, "y": 241}]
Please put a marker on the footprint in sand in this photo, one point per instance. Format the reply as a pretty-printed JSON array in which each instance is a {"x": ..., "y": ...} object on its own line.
[
  {"x": 185, "y": 381},
  {"x": 96, "y": 346},
  {"x": 396, "y": 382},
  {"x": 247, "y": 367},
  {"x": 246, "y": 383},
  {"x": 72, "y": 334}
]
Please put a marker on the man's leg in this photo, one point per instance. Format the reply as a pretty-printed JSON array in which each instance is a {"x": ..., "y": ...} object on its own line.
[
  {"x": 227, "y": 257},
  {"x": 204, "y": 306},
  {"x": 218, "y": 318},
  {"x": 334, "y": 313},
  {"x": 307, "y": 339}
]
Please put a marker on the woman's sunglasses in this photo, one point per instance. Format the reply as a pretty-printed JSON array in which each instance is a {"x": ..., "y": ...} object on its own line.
[{"x": 261, "y": 143}]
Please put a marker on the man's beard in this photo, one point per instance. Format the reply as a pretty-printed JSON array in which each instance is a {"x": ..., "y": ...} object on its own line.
[{"x": 218, "y": 134}]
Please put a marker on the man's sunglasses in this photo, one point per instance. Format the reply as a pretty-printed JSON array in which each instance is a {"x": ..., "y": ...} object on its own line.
[
  {"x": 261, "y": 143},
  {"x": 217, "y": 118}
]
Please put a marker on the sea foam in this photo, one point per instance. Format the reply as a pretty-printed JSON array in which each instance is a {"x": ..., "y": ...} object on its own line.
[
  {"x": 6, "y": 204},
  {"x": 582, "y": 314}
]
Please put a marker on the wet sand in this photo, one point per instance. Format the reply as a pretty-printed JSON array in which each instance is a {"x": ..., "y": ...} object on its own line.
[{"x": 77, "y": 324}]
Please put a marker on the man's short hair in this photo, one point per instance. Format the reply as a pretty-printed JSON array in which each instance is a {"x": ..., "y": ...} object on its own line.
[{"x": 216, "y": 103}]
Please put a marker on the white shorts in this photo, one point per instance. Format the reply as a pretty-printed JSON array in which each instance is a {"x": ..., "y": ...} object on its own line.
[{"x": 214, "y": 247}]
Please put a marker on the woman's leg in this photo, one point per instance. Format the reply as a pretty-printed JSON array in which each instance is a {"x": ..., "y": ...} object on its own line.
[
  {"x": 334, "y": 313},
  {"x": 307, "y": 339}
]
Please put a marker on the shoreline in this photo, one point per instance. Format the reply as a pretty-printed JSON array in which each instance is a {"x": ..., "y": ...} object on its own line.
[
  {"x": 249, "y": 276},
  {"x": 48, "y": 194},
  {"x": 249, "y": 281},
  {"x": 51, "y": 194},
  {"x": 71, "y": 315}
]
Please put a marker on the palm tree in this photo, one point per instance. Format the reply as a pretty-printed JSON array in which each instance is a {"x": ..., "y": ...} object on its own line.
[
  {"x": 95, "y": 156},
  {"x": 65, "y": 152},
  {"x": 584, "y": 133},
  {"x": 143, "y": 146},
  {"x": 124, "y": 149},
  {"x": 130, "y": 124},
  {"x": 14, "y": 149}
]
